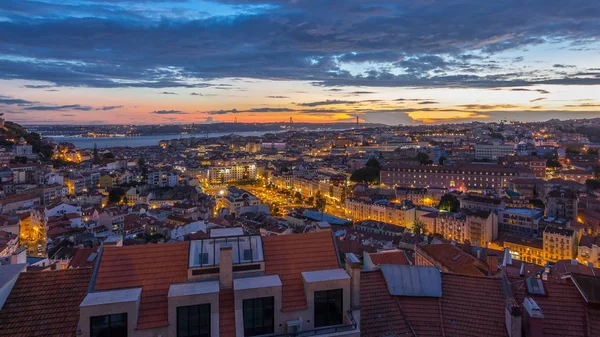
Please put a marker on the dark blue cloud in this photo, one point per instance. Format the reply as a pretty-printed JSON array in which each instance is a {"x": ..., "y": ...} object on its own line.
[
  {"x": 120, "y": 43},
  {"x": 14, "y": 101},
  {"x": 169, "y": 112},
  {"x": 59, "y": 107},
  {"x": 109, "y": 107}
]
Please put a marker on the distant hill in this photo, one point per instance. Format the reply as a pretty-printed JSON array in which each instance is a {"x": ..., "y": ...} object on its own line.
[{"x": 12, "y": 132}]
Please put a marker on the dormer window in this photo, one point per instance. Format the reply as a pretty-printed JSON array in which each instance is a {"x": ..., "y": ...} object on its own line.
[
  {"x": 328, "y": 307},
  {"x": 193, "y": 321},
  {"x": 108, "y": 325}
]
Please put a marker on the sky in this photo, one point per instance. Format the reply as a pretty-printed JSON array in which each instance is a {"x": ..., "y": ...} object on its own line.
[{"x": 383, "y": 61}]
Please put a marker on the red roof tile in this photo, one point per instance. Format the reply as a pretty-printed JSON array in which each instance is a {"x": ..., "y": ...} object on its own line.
[
  {"x": 469, "y": 307},
  {"x": 290, "y": 255},
  {"x": 80, "y": 258},
  {"x": 152, "y": 267},
  {"x": 389, "y": 257},
  {"x": 45, "y": 303},
  {"x": 454, "y": 259},
  {"x": 563, "y": 307}
]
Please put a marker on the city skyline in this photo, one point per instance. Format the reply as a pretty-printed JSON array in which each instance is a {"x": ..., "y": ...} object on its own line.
[{"x": 391, "y": 62}]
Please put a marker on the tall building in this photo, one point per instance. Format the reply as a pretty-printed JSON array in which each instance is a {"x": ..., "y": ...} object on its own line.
[
  {"x": 560, "y": 244},
  {"x": 458, "y": 177},
  {"x": 400, "y": 214},
  {"x": 238, "y": 201},
  {"x": 234, "y": 172},
  {"x": 562, "y": 204},
  {"x": 493, "y": 151},
  {"x": 523, "y": 222}
]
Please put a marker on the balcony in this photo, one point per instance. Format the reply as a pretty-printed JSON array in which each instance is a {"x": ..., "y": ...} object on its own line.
[
  {"x": 349, "y": 328},
  {"x": 246, "y": 249}
]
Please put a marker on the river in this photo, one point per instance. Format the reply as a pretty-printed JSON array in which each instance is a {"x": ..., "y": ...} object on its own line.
[{"x": 105, "y": 142}]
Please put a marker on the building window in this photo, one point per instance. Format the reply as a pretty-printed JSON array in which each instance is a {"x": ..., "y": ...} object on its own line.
[
  {"x": 328, "y": 307},
  {"x": 109, "y": 325},
  {"x": 259, "y": 316},
  {"x": 193, "y": 321}
]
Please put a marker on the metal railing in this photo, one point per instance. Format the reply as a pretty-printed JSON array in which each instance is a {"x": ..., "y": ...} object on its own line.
[{"x": 324, "y": 330}]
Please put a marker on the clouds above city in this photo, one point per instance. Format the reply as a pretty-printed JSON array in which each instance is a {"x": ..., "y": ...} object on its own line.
[{"x": 317, "y": 52}]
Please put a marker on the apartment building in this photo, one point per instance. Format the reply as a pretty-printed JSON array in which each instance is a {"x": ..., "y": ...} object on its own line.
[
  {"x": 238, "y": 201},
  {"x": 493, "y": 151},
  {"x": 76, "y": 184},
  {"x": 562, "y": 204},
  {"x": 228, "y": 286},
  {"x": 560, "y": 244},
  {"x": 400, "y": 214},
  {"x": 588, "y": 251},
  {"x": 162, "y": 178},
  {"x": 480, "y": 203},
  {"x": 520, "y": 221},
  {"x": 458, "y": 177},
  {"x": 34, "y": 232},
  {"x": 530, "y": 250},
  {"x": 478, "y": 227},
  {"x": 223, "y": 174},
  {"x": 535, "y": 164},
  {"x": 420, "y": 196}
]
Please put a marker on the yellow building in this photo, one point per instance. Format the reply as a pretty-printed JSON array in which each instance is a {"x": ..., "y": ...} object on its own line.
[
  {"x": 107, "y": 181},
  {"x": 531, "y": 251},
  {"x": 560, "y": 244}
]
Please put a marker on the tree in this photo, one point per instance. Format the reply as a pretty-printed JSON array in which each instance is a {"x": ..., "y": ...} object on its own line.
[
  {"x": 310, "y": 200},
  {"x": 116, "y": 195},
  {"x": 449, "y": 202},
  {"x": 373, "y": 162},
  {"x": 95, "y": 156},
  {"x": 320, "y": 204},
  {"x": 343, "y": 195},
  {"x": 144, "y": 169},
  {"x": 419, "y": 228},
  {"x": 537, "y": 203},
  {"x": 553, "y": 163},
  {"x": 593, "y": 184},
  {"x": 368, "y": 175},
  {"x": 108, "y": 155},
  {"x": 442, "y": 160},
  {"x": 423, "y": 158},
  {"x": 597, "y": 172},
  {"x": 298, "y": 196}
]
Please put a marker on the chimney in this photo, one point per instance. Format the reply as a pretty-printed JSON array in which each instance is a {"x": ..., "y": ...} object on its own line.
[
  {"x": 513, "y": 317},
  {"x": 533, "y": 322},
  {"x": 225, "y": 266},
  {"x": 19, "y": 256},
  {"x": 353, "y": 267},
  {"x": 492, "y": 263},
  {"x": 479, "y": 254},
  {"x": 522, "y": 269}
]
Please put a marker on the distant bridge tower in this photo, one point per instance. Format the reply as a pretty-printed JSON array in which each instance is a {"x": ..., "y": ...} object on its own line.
[
  {"x": 357, "y": 122},
  {"x": 235, "y": 120},
  {"x": 291, "y": 120}
]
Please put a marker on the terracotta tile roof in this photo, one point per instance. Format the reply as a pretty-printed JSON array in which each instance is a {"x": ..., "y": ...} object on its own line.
[
  {"x": 565, "y": 311},
  {"x": 454, "y": 259},
  {"x": 389, "y": 257},
  {"x": 290, "y": 255},
  {"x": 45, "y": 303},
  {"x": 81, "y": 256},
  {"x": 469, "y": 307},
  {"x": 152, "y": 267}
]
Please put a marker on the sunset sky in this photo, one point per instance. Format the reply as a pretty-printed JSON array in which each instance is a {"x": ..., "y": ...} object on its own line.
[{"x": 393, "y": 62}]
